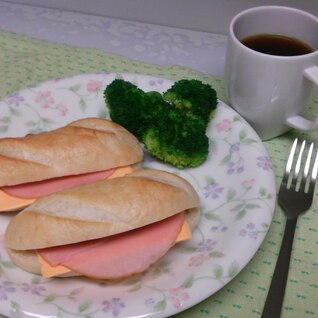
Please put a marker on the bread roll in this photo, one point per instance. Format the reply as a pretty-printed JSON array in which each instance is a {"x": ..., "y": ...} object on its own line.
[
  {"x": 98, "y": 210},
  {"x": 83, "y": 146},
  {"x": 102, "y": 209}
]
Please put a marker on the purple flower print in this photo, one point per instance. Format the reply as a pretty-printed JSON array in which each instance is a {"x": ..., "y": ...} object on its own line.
[
  {"x": 207, "y": 245},
  {"x": 15, "y": 99},
  {"x": 264, "y": 163},
  {"x": 249, "y": 231},
  {"x": 114, "y": 306},
  {"x": 221, "y": 227},
  {"x": 150, "y": 302},
  {"x": 206, "y": 250},
  {"x": 235, "y": 148},
  {"x": 34, "y": 289},
  {"x": 213, "y": 190},
  {"x": 4, "y": 289},
  {"x": 250, "y": 226},
  {"x": 155, "y": 82},
  {"x": 235, "y": 167},
  {"x": 233, "y": 160}
]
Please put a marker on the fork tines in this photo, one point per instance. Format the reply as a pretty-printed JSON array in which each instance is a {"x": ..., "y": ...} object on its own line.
[{"x": 302, "y": 174}]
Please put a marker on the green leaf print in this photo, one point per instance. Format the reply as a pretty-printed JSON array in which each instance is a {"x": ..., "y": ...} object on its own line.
[
  {"x": 15, "y": 112},
  {"x": 233, "y": 269},
  {"x": 225, "y": 160},
  {"x": 36, "y": 279},
  {"x": 188, "y": 282},
  {"x": 216, "y": 254},
  {"x": 242, "y": 135},
  {"x": 8, "y": 264},
  {"x": 84, "y": 306},
  {"x": 82, "y": 104},
  {"x": 49, "y": 298},
  {"x": 3, "y": 129},
  {"x": 5, "y": 120},
  {"x": 160, "y": 305},
  {"x": 76, "y": 291},
  {"x": 213, "y": 217},
  {"x": 75, "y": 88},
  {"x": 240, "y": 215},
  {"x": 248, "y": 141},
  {"x": 252, "y": 206},
  {"x": 218, "y": 271},
  {"x": 262, "y": 192},
  {"x": 230, "y": 195}
]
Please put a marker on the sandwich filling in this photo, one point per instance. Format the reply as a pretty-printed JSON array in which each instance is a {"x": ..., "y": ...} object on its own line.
[
  {"x": 117, "y": 256},
  {"x": 19, "y": 196}
]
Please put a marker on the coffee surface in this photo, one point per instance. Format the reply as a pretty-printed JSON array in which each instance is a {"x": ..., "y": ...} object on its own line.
[{"x": 277, "y": 44}]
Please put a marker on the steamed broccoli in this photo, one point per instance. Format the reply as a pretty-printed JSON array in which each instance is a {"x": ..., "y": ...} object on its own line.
[
  {"x": 177, "y": 138},
  {"x": 171, "y": 126},
  {"x": 125, "y": 101},
  {"x": 193, "y": 96}
]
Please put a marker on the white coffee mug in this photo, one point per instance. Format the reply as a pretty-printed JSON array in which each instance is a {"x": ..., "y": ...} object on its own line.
[{"x": 271, "y": 91}]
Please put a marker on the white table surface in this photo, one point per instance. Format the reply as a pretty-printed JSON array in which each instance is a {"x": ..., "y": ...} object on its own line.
[{"x": 201, "y": 51}]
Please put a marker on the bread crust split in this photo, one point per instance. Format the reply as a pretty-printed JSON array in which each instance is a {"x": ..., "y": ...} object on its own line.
[
  {"x": 98, "y": 210},
  {"x": 83, "y": 146}
]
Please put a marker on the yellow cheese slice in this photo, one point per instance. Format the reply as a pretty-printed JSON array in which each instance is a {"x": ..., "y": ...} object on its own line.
[
  {"x": 50, "y": 271},
  {"x": 185, "y": 233},
  {"x": 121, "y": 171},
  {"x": 10, "y": 203}
]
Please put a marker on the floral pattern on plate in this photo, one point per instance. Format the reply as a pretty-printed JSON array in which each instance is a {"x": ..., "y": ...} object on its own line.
[{"x": 236, "y": 186}]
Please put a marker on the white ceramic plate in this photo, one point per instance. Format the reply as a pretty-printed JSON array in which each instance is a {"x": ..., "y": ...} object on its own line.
[{"x": 237, "y": 190}]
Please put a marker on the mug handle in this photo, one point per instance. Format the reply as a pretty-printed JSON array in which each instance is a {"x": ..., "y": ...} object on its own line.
[{"x": 300, "y": 122}]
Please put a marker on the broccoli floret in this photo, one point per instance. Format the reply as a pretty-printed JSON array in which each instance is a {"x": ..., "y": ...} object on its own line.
[
  {"x": 193, "y": 96},
  {"x": 131, "y": 107},
  {"x": 178, "y": 139},
  {"x": 125, "y": 101},
  {"x": 172, "y": 126}
]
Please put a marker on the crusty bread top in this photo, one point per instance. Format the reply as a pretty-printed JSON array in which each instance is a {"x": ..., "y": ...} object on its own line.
[
  {"x": 101, "y": 209},
  {"x": 85, "y": 145}
]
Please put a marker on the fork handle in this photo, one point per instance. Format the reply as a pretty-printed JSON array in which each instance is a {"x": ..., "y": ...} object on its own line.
[{"x": 275, "y": 296}]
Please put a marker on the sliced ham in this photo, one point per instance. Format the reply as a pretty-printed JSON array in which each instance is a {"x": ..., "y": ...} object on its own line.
[
  {"x": 120, "y": 255},
  {"x": 45, "y": 187}
]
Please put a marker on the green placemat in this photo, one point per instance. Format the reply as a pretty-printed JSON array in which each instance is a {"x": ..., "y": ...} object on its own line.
[{"x": 25, "y": 61}]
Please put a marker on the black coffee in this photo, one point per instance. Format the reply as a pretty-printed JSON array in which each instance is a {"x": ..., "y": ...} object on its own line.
[{"x": 277, "y": 44}]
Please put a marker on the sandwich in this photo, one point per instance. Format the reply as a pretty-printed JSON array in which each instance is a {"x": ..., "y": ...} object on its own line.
[
  {"x": 110, "y": 229},
  {"x": 84, "y": 151}
]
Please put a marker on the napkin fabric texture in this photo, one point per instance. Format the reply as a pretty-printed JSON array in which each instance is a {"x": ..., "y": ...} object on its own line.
[{"x": 25, "y": 61}]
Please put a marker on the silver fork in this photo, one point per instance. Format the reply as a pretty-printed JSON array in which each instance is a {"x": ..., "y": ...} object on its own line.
[{"x": 295, "y": 196}]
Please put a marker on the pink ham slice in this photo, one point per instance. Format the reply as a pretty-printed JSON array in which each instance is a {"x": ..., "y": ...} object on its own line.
[
  {"x": 37, "y": 189},
  {"x": 120, "y": 255}
]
